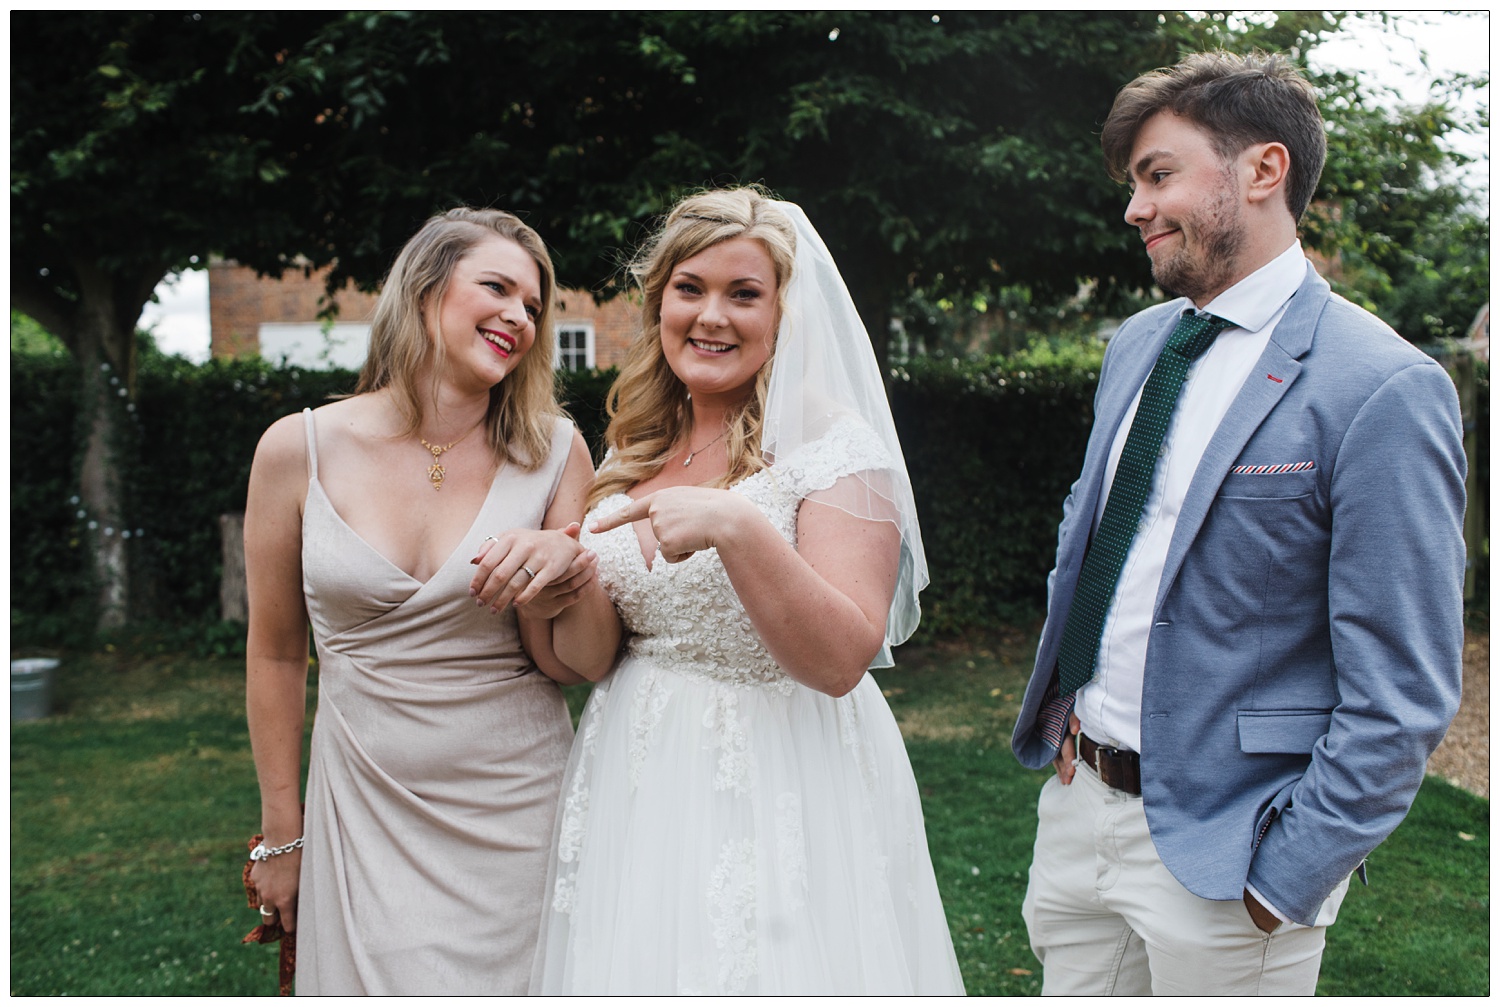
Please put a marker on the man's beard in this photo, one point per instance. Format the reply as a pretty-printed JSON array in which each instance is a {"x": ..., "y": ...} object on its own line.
[{"x": 1218, "y": 233}]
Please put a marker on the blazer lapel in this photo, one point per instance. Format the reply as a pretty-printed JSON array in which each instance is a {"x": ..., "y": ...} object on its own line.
[{"x": 1282, "y": 357}]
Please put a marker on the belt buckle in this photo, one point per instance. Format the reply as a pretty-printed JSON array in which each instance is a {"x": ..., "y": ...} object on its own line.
[
  {"x": 1101, "y": 753},
  {"x": 1103, "y": 750},
  {"x": 1118, "y": 774}
]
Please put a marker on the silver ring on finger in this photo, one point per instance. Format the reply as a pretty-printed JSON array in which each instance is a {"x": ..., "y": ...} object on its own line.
[
  {"x": 528, "y": 571},
  {"x": 490, "y": 538},
  {"x": 267, "y": 913}
]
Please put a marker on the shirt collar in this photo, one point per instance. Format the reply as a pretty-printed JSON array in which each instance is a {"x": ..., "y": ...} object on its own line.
[{"x": 1254, "y": 301}]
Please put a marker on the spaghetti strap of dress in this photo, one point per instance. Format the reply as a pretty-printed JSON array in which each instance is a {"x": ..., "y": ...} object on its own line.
[{"x": 312, "y": 444}]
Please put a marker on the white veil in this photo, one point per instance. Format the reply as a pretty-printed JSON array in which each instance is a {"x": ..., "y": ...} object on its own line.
[{"x": 825, "y": 369}]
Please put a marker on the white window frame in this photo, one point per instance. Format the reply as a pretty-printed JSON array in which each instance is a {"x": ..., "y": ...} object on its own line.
[{"x": 574, "y": 329}]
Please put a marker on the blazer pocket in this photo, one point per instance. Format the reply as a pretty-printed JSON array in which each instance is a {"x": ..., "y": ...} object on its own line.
[
  {"x": 1290, "y": 732},
  {"x": 1274, "y": 486}
]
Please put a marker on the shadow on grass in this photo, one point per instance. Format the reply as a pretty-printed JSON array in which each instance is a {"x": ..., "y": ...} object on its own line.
[{"x": 130, "y": 808}]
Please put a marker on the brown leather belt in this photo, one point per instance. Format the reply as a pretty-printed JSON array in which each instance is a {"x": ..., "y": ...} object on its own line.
[{"x": 1116, "y": 767}]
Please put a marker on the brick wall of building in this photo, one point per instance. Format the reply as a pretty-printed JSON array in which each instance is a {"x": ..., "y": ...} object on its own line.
[
  {"x": 614, "y": 323},
  {"x": 239, "y": 301}
]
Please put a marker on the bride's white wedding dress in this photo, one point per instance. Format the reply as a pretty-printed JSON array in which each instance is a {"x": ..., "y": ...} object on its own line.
[{"x": 725, "y": 829}]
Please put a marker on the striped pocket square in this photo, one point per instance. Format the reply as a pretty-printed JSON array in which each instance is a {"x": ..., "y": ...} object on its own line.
[{"x": 1271, "y": 470}]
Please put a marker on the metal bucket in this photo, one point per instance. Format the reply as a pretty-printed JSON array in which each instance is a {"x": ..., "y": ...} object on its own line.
[{"x": 31, "y": 687}]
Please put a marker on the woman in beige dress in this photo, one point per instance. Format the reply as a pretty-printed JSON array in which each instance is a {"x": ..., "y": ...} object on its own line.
[{"x": 438, "y": 747}]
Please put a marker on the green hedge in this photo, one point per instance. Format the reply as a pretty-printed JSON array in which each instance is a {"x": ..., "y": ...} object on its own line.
[
  {"x": 48, "y": 571},
  {"x": 192, "y": 435},
  {"x": 199, "y": 426},
  {"x": 992, "y": 447}
]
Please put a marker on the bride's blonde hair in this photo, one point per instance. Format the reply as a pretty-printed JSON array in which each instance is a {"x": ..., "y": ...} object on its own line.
[{"x": 648, "y": 404}]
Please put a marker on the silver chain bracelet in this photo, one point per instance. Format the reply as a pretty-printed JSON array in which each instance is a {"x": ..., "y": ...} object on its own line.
[{"x": 264, "y": 852}]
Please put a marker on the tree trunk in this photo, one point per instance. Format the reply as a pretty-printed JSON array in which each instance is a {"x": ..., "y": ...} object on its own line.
[
  {"x": 99, "y": 484},
  {"x": 105, "y": 347},
  {"x": 97, "y": 324}
]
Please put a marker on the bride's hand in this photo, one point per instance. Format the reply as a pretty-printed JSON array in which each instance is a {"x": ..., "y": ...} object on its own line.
[
  {"x": 541, "y": 571},
  {"x": 684, "y": 519}
]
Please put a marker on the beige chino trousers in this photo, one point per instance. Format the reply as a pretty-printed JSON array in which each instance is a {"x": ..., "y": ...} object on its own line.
[{"x": 1106, "y": 917}]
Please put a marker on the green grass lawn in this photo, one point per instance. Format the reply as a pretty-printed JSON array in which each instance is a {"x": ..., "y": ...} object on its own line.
[{"x": 130, "y": 807}]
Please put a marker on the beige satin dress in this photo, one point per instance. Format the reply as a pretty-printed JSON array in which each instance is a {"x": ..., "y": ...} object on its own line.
[{"x": 437, "y": 755}]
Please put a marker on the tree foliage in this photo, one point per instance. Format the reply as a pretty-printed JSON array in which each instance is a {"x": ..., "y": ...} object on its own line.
[
  {"x": 129, "y": 157},
  {"x": 956, "y": 146},
  {"x": 1412, "y": 244},
  {"x": 953, "y": 155}
]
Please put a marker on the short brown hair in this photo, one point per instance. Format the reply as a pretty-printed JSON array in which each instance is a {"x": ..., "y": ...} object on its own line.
[{"x": 1238, "y": 101}]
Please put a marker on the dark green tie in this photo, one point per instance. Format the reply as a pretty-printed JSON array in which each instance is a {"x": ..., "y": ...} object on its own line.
[{"x": 1079, "y": 651}]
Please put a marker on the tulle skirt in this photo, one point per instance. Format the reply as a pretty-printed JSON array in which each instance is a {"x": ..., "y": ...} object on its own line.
[{"x": 723, "y": 838}]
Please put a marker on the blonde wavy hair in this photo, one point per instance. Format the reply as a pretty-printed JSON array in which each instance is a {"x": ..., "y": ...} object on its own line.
[
  {"x": 519, "y": 421},
  {"x": 648, "y": 404}
]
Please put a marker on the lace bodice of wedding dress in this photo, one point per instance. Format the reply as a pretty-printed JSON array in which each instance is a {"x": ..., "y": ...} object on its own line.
[{"x": 686, "y": 616}]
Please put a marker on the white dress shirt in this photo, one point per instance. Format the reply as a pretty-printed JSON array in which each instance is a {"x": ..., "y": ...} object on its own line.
[{"x": 1109, "y": 706}]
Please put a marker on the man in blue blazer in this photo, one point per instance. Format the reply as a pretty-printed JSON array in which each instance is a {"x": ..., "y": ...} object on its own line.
[{"x": 1258, "y": 578}]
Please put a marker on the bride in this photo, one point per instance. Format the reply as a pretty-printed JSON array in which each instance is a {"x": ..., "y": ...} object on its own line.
[{"x": 738, "y": 812}]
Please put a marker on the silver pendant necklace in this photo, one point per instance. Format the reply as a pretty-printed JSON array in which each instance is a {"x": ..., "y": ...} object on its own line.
[{"x": 693, "y": 454}]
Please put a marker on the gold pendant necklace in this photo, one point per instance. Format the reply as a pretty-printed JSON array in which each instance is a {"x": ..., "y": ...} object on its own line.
[{"x": 436, "y": 471}]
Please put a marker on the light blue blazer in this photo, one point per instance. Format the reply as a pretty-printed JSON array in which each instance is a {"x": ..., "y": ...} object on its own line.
[{"x": 1305, "y": 657}]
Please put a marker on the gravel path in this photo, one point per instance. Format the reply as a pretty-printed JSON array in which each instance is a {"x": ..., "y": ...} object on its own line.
[{"x": 1463, "y": 758}]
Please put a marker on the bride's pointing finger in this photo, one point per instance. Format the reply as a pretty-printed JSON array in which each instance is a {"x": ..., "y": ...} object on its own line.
[{"x": 630, "y": 513}]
